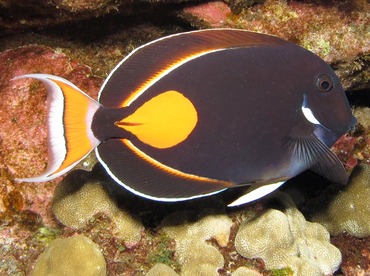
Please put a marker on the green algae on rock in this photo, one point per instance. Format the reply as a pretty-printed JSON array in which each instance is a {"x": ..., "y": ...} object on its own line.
[
  {"x": 76, "y": 255},
  {"x": 349, "y": 209},
  {"x": 286, "y": 239}
]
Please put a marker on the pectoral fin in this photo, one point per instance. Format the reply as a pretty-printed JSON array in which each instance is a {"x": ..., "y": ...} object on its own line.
[
  {"x": 330, "y": 167},
  {"x": 315, "y": 155}
]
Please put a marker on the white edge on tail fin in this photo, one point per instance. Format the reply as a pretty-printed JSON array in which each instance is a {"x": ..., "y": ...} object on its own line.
[
  {"x": 255, "y": 192},
  {"x": 57, "y": 148}
]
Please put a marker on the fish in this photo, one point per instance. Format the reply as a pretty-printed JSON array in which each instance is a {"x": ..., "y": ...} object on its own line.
[{"x": 195, "y": 113}]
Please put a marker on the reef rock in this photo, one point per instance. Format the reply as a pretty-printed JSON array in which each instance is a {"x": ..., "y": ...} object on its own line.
[
  {"x": 286, "y": 239},
  {"x": 347, "y": 210},
  {"x": 24, "y": 14},
  {"x": 76, "y": 255},
  {"x": 315, "y": 27},
  {"x": 194, "y": 254}
]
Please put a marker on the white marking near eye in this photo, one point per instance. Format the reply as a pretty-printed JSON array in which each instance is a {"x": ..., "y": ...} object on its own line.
[
  {"x": 309, "y": 115},
  {"x": 307, "y": 112}
]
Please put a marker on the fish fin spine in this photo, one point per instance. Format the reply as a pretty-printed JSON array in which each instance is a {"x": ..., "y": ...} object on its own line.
[{"x": 69, "y": 116}]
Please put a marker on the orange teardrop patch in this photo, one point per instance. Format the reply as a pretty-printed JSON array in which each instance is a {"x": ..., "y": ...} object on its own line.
[{"x": 164, "y": 121}]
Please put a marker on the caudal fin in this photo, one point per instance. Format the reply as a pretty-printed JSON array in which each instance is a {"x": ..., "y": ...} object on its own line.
[{"x": 69, "y": 117}]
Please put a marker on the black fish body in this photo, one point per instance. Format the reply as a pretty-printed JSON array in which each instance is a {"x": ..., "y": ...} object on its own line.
[{"x": 192, "y": 114}]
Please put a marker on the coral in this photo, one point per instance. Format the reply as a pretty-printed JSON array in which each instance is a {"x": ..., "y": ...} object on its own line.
[
  {"x": 347, "y": 210},
  {"x": 286, "y": 239},
  {"x": 78, "y": 197},
  {"x": 161, "y": 270},
  {"x": 244, "y": 271},
  {"x": 194, "y": 254},
  {"x": 76, "y": 255}
]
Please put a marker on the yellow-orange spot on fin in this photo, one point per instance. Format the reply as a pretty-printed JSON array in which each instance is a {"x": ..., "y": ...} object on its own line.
[{"x": 164, "y": 121}]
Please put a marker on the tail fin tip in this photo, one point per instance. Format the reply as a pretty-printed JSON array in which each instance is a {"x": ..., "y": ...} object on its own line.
[{"x": 70, "y": 114}]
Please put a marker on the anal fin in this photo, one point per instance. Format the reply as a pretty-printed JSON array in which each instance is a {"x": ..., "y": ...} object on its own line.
[{"x": 255, "y": 192}]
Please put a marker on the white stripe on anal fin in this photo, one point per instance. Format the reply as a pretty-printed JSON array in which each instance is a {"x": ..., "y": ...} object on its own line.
[{"x": 256, "y": 192}]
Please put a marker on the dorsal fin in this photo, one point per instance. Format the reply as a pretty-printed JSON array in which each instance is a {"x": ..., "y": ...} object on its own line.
[{"x": 150, "y": 62}]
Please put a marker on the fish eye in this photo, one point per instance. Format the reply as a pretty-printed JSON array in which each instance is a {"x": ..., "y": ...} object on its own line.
[{"x": 324, "y": 83}]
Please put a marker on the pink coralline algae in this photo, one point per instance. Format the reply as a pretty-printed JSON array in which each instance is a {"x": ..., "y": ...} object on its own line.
[{"x": 208, "y": 14}]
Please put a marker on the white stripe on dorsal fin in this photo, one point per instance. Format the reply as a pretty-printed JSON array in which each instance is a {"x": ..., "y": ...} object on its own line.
[
  {"x": 69, "y": 116},
  {"x": 256, "y": 192}
]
